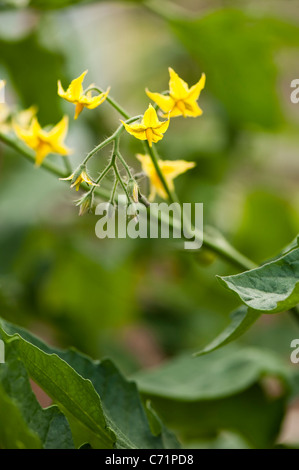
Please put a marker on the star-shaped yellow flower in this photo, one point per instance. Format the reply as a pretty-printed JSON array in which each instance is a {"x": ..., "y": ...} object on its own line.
[
  {"x": 78, "y": 177},
  {"x": 150, "y": 128},
  {"x": 182, "y": 100},
  {"x": 44, "y": 142},
  {"x": 170, "y": 170},
  {"x": 76, "y": 95}
]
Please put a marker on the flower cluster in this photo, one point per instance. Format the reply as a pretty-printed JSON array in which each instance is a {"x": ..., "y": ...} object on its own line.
[{"x": 179, "y": 100}]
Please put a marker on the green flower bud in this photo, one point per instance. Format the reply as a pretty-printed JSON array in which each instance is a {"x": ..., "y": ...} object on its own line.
[
  {"x": 85, "y": 203},
  {"x": 133, "y": 190}
]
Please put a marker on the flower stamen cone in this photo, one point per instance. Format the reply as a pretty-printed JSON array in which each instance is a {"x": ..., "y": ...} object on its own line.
[
  {"x": 75, "y": 94},
  {"x": 182, "y": 100},
  {"x": 170, "y": 170},
  {"x": 150, "y": 128}
]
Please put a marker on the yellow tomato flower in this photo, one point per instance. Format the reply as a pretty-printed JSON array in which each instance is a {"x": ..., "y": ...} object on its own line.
[
  {"x": 76, "y": 95},
  {"x": 170, "y": 170},
  {"x": 150, "y": 128},
  {"x": 78, "y": 177},
  {"x": 44, "y": 142},
  {"x": 182, "y": 99}
]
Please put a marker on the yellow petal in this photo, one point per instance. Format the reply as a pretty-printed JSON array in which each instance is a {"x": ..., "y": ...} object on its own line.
[
  {"x": 75, "y": 89},
  {"x": 137, "y": 130},
  {"x": 174, "y": 168},
  {"x": 170, "y": 170},
  {"x": 193, "y": 110},
  {"x": 162, "y": 127},
  {"x": 67, "y": 178},
  {"x": 156, "y": 136},
  {"x": 93, "y": 102},
  {"x": 195, "y": 90},
  {"x": 150, "y": 118},
  {"x": 29, "y": 135},
  {"x": 58, "y": 133},
  {"x": 177, "y": 87},
  {"x": 174, "y": 113},
  {"x": 42, "y": 151},
  {"x": 166, "y": 103},
  {"x": 60, "y": 90},
  {"x": 77, "y": 182},
  {"x": 86, "y": 178}
]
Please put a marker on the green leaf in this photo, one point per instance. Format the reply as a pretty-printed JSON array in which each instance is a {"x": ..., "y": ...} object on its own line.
[
  {"x": 49, "y": 424},
  {"x": 91, "y": 393},
  {"x": 241, "y": 321},
  {"x": 219, "y": 374},
  {"x": 197, "y": 397},
  {"x": 68, "y": 389},
  {"x": 239, "y": 413},
  {"x": 272, "y": 288},
  {"x": 236, "y": 50},
  {"x": 14, "y": 431}
]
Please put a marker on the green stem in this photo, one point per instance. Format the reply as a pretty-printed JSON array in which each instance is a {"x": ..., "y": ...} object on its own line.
[
  {"x": 111, "y": 101},
  {"x": 98, "y": 148},
  {"x": 113, "y": 138},
  {"x": 154, "y": 157},
  {"x": 46, "y": 165},
  {"x": 119, "y": 178},
  {"x": 124, "y": 163},
  {"x": 104, "y": 173},
  {"x": 113, "y": 191},
  {"x": 30, "y": 155}
]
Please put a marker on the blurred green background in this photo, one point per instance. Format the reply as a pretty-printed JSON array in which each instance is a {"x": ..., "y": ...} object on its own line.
[{"x": 139, "y": 301}]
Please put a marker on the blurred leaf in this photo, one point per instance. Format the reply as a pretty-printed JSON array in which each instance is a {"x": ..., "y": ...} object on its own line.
[
  {"x": 34, "y": 70},
  {"x": 265, "y": 213},
  {"x": 73, "y": 393},
  {"x": 219, "y": 374},
  {"x": 272, "y": 288},
  {"x": 250, "y": 413},
  {"x": 14, "y": 431},
  {"x": 241, "y": 321},
  {"x": 198, "y": 397},
  {"x": 235, "y": 50},
  {"x": 50, "y": 425},
  {"x": 72, "y": 380}
]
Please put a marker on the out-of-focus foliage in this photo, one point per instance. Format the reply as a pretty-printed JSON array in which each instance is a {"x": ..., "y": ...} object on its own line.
[{"x": 218, "y": 391}]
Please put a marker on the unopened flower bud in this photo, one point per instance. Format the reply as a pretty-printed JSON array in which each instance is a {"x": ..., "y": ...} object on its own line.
[
  {"x": 85, "y": 203},
  {"x": 133, "y": 190}
]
